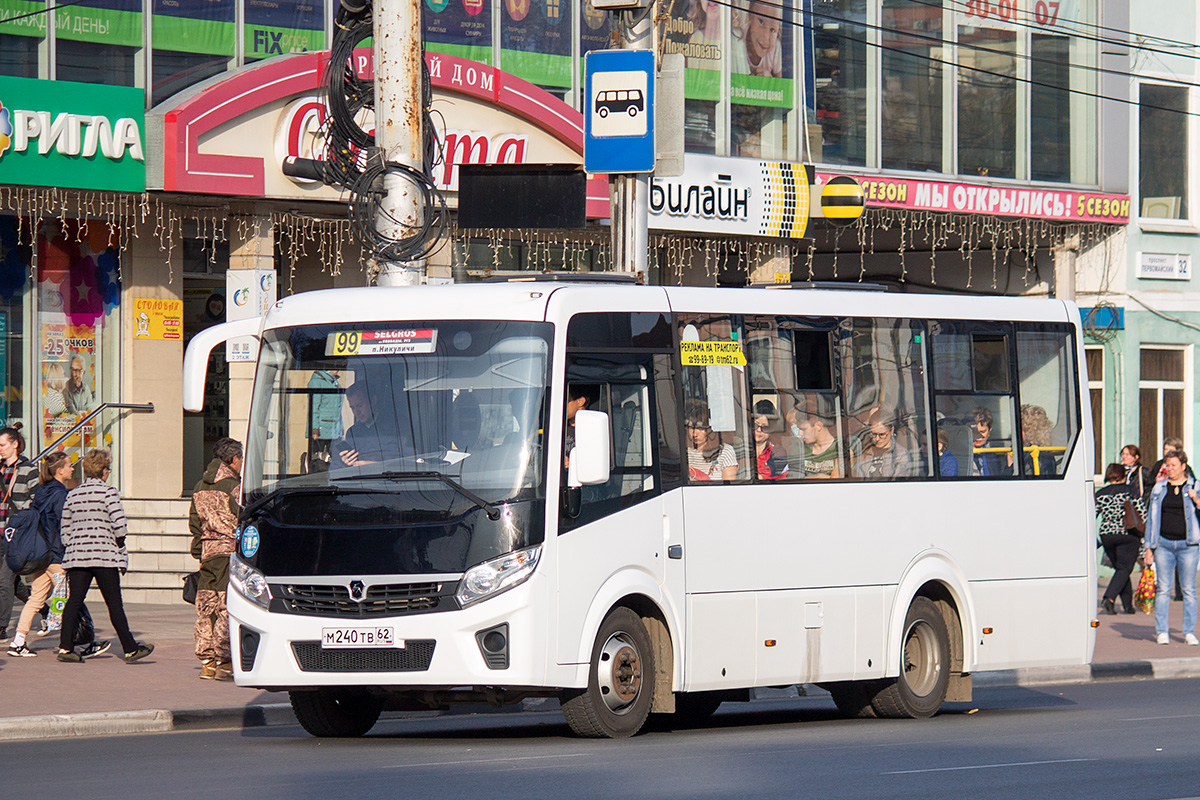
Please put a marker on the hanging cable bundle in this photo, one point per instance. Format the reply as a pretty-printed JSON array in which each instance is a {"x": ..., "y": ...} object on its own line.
[{"x": 366, "y": 196}]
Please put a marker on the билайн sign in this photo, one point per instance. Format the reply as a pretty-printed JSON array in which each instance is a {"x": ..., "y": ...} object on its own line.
[{"x": 72, "y": 135}]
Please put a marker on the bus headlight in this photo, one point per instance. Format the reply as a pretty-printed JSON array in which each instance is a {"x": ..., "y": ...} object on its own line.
[
  {"x": 249, "y": 582},
  {"x": 497, "y": 575}
]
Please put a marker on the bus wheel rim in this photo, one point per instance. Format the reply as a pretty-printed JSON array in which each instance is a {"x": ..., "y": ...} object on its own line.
[
  {"x": 922, "y": 659},
  {"x": 619, "y": 673}
]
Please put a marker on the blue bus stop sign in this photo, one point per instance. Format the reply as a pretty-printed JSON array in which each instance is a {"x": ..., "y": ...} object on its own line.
[{"x": 618, "y": 114}]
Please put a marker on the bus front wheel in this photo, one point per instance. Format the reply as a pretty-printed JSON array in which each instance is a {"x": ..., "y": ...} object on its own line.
[
  {"x": 620, "y": 687},
  {"x": 336, "y": 712},
  {"x": 924, "y": 665}
]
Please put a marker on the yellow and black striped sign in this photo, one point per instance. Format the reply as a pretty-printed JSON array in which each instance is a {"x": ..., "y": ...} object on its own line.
[
  {"x": 842, "y": 200},
  {"x": 785, "y": 191}
]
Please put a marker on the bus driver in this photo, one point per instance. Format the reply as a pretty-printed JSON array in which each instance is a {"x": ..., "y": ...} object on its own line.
[{"x": 371, "y": 438}]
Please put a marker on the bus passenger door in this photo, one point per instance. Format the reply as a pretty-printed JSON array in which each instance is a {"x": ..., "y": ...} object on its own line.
[{"x": 618, "y": 542}]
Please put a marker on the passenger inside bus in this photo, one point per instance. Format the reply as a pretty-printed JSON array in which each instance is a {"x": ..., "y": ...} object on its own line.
[
  {"x": 882, "y": 458},
  {"x": 822, "y": 450},
  {"x": 1035, "y": 435},
  {"x": 709, "y": 459},
  {"x": 990, "y": 457},
  {"x": 580, "y": 397},
  {"x": 771, "y": 458},
  {"x": 373, "y": 437}
]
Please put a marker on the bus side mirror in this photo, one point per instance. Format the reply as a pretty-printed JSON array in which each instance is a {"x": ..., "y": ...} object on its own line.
[{"x": 589, "y": 459}]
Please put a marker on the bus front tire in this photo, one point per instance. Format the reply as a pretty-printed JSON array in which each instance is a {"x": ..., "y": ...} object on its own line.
[
  {"x": 620, "y": 687},
  {"x": 339, "y": 713},
  {"x": 924, "y": 666}
]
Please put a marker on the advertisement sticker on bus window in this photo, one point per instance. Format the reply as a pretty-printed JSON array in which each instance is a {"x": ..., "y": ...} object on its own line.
[
  {"x": 401, "y": 341},
  {"x": 250, "y": 541},
  {"x": 706, "y": 354}
]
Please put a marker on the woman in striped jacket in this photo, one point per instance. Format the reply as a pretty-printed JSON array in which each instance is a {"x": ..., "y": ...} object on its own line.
[{"x": 93, "y": 533}]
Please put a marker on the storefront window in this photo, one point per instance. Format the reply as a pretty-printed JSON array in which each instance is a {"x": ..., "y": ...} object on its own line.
[
  {"x": 1163, "y": 168},
  {"x": 761, "y": 89},
  {"x": 19, "y": 54},
  {"x": 193, "y": 40},
  {"x": 535, "y": 41},
  {"x": 839, "y": 54},
  {"x": 987, "y": 102},
  {"x": 457, "y": 28},
  {"x": 1050, "y": 109},
  {"x": 78, "y": 291},
  {"x": 97, "y": 41},
  {"x": 15, "y": 255},
  {"x": 912, "y": 86},
  {"x": 696, "y": 30}
]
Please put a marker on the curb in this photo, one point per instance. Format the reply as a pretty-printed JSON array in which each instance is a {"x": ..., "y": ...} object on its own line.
[{"x": 114, "y": 723}]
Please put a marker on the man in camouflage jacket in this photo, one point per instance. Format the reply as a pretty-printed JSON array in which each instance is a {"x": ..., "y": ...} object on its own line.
[{"x": 213, "y": 523}]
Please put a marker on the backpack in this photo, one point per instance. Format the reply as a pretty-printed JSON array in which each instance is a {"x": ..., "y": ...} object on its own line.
[{"x": 28, "y": 549}]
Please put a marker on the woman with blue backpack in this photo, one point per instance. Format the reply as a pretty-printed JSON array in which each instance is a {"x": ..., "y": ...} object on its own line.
[
  {"x": 18, "y": 476},
  {"x": 48, "y": 499}
]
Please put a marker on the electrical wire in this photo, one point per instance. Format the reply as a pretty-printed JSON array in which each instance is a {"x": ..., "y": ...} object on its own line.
[{"x": 977, "y": 70}]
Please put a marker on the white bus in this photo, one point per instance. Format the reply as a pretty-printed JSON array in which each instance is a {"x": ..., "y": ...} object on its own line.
[{"x": 878, "y": 493}]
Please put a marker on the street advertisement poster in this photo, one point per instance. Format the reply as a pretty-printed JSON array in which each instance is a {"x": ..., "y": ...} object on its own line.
[
  {"x": 595, "y": 30},
  {"x": 116, "y": 22},
  {"x": 535, "y": 40},
  {"x": 761, "y": 57},
  {"x": 275, "y": 27},
  {"x": 459, "y": 28},
  {"x": 694, "y": 29},
  {"x": 195, "y": 26},
  {"x": 157, "y": 319},
  {"x": 68, "y": 358}
]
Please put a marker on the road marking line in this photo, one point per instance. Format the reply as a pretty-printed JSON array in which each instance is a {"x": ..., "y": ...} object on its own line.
[
  {"x": 990, "y": 766},
  {"x": 481, "y": 761},
  {"x": 1151, "y": 719}
]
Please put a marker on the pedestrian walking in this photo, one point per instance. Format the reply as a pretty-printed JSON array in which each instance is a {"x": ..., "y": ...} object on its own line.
[
  {"x": 213, "y": 522},
  {"x": 1117, "y": 506},
  {"x": 1173, "y": 538},
  {"x": 18, "y": 477},
  {"x": 93, "y": 534},
  {"x": 1137, "y": 475}
]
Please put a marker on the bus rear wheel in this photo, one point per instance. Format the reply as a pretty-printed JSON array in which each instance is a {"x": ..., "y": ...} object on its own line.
[
  {"x": 336, "y": 712},
  {"x": 924, "y": 666},
  {"x": 620, "y": 687}
]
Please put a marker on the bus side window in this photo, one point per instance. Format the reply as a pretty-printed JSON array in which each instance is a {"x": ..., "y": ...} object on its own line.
[
  {"x": 975, "y": 408},
  {"x": 719, "y": 446},
  {"x": 1049, "y": 416}
]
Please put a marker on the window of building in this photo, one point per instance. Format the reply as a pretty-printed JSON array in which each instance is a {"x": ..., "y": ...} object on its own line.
[
  {"x": 839, "y": 46},
  {"x": 1162, "y": 390},
  {"x": 987, "y": 102},
  {"x": 99, "y": 41},
  {"x": 193, "y": 40},
  {"x": 19, "y": 54},
  {"x": 761, "y": 86},
  {"x": 1095, "y": 382},
  {"x": 911, "y": 111},
  {"x": 275, "y": 27},
  {"x": 1163, "y": 164},
  {"x": 1050, "y": 109}
]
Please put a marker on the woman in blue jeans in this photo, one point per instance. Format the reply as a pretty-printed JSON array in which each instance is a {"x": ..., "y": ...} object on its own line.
[{"x": 1173, "y": 539}]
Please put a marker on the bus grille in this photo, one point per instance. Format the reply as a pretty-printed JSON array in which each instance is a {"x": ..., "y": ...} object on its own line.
[
  {"x": 414, "y": 657},
  {"x": 331, "y": 600}
]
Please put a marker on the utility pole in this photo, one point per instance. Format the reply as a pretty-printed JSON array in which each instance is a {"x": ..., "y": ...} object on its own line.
[
  {"x": 629, "y": 194},
  {"x": 399, "y": 112}
]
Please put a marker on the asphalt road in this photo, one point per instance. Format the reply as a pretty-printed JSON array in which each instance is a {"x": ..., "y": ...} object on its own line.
[{"x": 1121, "y": 740}]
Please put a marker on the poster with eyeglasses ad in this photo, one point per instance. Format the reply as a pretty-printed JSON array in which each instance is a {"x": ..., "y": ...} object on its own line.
[
  {"x": 535, "y": 40},
  {"x": 460, "y": 28},
  {"x": 68, "y": 387},
  {"x": 195, "y": 26}
]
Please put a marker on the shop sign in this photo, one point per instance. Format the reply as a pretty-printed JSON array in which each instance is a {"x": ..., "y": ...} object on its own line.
[
  {"x": 1058, "y": 205},
  {"x": 157, "y": 319},
  {"x": 1166, "y": 266},
  {"x": 74, "y": 135},
  {"x": 251, "y": 293},
  {"x": 733, "y": 196}
]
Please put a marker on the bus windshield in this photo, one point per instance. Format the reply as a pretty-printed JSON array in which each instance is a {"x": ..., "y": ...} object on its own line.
[{"x": 445, "y": 410}]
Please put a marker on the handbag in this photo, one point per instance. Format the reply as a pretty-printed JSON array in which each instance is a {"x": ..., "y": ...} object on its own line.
[
  {"x": 191, "y": 584},
  {"x": 1133, "y": 520},
  {"x": 57, "y": 601},
  {"x": 1143, "y": 596}
]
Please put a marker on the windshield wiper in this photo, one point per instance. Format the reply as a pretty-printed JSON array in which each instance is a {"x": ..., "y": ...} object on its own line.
[
  {"x": 493, "y": 513},
  {"x": 287, "y": 491}
]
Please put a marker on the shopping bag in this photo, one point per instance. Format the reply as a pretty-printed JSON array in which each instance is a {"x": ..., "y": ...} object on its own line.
[
  {"x": 57, "y": 601},
  {"x": 1143, "y": 598}
]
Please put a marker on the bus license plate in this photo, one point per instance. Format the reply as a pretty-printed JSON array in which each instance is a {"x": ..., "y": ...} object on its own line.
[{"x": 359, "y": 637}]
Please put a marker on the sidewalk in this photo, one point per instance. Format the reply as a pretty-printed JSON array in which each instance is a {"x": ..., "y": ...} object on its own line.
[{"x": 44, "y": 698}]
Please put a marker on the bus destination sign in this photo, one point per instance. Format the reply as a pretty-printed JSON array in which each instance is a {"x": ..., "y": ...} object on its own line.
[{"x": 378, "y": 343}]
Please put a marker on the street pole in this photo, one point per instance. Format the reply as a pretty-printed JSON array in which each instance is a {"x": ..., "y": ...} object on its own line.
[
  {"x": 629, "y": 194},
  {"x": 398, "y": 116}
]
